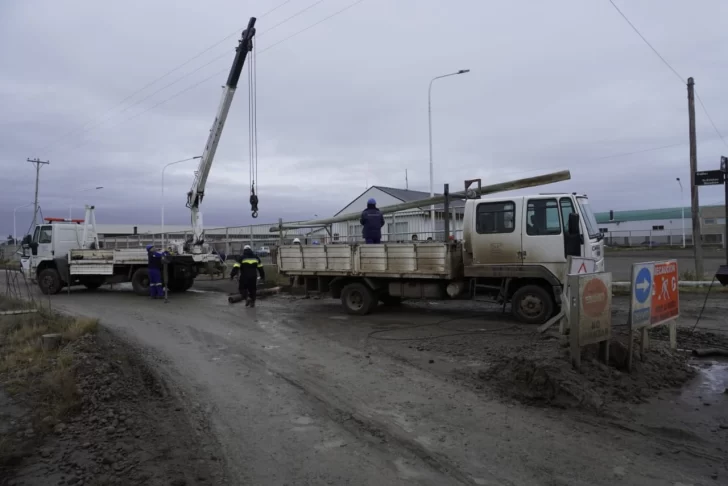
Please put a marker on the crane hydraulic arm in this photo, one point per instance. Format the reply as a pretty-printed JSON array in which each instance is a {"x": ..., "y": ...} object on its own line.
[{"x": 197, "y": 192}]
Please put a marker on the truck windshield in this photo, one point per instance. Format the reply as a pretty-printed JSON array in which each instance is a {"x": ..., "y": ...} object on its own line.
[{"x": 589, "y": 219}]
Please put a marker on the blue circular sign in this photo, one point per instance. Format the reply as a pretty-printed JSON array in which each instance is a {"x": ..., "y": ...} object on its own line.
[{"x": 643, "y": 285}]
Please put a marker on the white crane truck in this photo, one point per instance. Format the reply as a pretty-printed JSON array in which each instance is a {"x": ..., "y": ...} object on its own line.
[
  {"x": 513, "y": 249},
  {"x": 65, "y": 253}
]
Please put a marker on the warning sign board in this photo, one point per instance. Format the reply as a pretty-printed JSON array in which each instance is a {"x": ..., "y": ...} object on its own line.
[
  {"x": 665, "y": 294},
  {"x": 641, "y": 303},
  {"x": 577, "y": 265},
  {"x": 593, "y": 302}
]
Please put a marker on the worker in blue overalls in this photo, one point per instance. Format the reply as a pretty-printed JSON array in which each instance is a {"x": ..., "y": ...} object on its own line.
[{"x": 154, "y": 265}]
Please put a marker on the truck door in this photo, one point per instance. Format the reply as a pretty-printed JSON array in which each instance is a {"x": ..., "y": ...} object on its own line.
[
  {"x": 45, "y": 241},
  {"x": 497, "y": 236},
  {"x": 543, "y": 242}
]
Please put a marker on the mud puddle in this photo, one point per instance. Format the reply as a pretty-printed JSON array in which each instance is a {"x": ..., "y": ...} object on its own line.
[{"x": 710, "y": 383}]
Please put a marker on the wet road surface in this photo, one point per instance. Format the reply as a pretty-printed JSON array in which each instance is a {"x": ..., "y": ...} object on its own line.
[{"x": 296, "y": 394}]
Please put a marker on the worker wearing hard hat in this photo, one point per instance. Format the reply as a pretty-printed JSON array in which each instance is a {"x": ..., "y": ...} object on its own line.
[
  {"x": 154, "y": 267},
  {"x": 249, "y": 267},
  {"x": 372, "y": 221}
]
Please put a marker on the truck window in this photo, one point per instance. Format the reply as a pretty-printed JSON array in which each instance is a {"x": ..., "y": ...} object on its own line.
[
  {"x": 495, "y": 217},
  {"x": 36, "y": 234},
  {"x": 542, "y": 217},
  {"x": 567, "y": 207},
  {"x": 46, "y": 233}
]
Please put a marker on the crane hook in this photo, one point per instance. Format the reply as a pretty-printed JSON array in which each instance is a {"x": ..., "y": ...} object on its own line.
[{"x": 253, "y": 203}]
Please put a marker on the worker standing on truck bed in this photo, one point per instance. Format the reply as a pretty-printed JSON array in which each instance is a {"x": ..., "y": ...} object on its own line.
[
  {"x": 154, "y": 266},
  {"x": 248, "y": 267},
  {"x": 372, "y": 221}
]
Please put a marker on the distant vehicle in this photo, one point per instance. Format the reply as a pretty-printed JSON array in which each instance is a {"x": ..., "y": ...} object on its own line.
[{"x": 263, "y": 251}]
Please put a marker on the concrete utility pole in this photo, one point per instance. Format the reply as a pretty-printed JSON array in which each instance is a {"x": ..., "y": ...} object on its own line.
[
  {"x": 37, "y": 163},
  {"x": 695, "y": 200}
]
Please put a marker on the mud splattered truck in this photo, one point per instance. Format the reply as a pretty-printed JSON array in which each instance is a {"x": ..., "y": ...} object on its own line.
[{"x": 513, "y": 250}]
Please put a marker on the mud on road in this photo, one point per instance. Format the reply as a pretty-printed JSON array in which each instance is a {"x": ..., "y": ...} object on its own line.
[{"x": 297, "y": 392}]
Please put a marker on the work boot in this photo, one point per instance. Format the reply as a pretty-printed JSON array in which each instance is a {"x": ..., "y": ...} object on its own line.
[
  {"x": 252, "y": 303},
  {"x": 247, "y": 302}
]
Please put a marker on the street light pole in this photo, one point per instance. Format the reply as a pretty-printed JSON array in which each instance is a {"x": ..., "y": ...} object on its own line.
[
  {"x": 15, "y": 233},
  {"x": 682, "y": 205},
  {"x": 70, "y": 207},
  {"x": 429, "y": 118},
  {"x": 163, "y": 169}
]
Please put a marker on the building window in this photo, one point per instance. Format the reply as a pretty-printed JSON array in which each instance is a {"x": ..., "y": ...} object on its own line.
[
  {"x": 542, "y": 217},
  {"x": 604, "y": 230},
  {"x": 709, "y": 221},
  {"x": 397, "y": 231},
  {"x": 495, "y": 217},
  {"x": 336, "y": 236},
  {"x": 658, "y": 228}
]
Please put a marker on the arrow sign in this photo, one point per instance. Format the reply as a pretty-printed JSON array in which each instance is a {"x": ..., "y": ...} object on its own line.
[{"x": 641, "y": 302}]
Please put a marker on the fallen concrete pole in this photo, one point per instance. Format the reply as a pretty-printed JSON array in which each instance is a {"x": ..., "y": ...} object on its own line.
[{"x": 541, "y": 180}]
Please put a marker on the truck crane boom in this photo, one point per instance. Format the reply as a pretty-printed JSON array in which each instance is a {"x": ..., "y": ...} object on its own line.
[{"x": 197, "y": 192}]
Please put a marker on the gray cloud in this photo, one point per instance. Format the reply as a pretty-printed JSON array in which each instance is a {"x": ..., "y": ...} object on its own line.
[{"x": 553, "y": 85}]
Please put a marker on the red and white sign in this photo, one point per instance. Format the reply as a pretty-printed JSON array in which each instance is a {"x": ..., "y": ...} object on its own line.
[{"x": 665, "y": 293}]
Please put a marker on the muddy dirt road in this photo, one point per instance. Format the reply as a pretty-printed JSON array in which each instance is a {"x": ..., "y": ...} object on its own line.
[{"x": 297, "y": 394}]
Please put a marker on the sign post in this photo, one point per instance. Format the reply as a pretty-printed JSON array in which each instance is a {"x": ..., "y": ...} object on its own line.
[
  {"x": 591, "y": 313},
  {"x": 655, "y": 300},
  {"x": 724, "y": 170}
]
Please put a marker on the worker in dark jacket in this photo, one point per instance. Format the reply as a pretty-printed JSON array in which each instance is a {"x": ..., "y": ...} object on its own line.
[
  {"x": 154, "y": 266},
  {"x": 372, "y": 221},
  {"x": 248, "y": 267}
]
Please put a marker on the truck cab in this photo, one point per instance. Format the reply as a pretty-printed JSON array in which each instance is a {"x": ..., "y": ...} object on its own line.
[
  {"x": 48, "y": 247},
  {"x": 525, "y": 241}
]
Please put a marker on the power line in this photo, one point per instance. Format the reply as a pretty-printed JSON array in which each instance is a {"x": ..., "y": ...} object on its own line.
[
  {"x": 179, "y": 93},
  {"x": 682, "y": 79},
  {"x": 711, "y": 119},
  {"x": 84, "y": 128}
]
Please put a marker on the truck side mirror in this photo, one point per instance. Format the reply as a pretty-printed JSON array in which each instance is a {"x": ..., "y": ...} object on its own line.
[{"x": 26, "y": 240}]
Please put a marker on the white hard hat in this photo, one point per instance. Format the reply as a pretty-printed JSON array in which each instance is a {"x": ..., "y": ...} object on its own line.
[
  {"x": 296, "y": 240},
  {"x": 247, "y": 247}
]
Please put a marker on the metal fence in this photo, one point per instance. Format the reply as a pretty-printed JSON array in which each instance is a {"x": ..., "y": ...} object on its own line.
[
  {"x": 655, "y": 238},
  {"x": 399, "y": 227}
]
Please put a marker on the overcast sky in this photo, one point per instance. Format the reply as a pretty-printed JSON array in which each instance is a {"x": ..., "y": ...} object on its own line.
[{"x": 563, "y": 84}]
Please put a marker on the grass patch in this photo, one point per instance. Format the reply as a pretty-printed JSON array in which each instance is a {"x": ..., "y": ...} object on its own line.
[{"x": 43, "y": 380}]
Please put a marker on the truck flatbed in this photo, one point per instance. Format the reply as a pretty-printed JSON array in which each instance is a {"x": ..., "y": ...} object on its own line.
[{"x": 388, "y": 260}]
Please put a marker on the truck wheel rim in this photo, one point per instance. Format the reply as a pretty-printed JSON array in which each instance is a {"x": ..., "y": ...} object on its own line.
[
  {"x": 355, "y": 300},
  {"x": 47, "y": 282},
  {"x": 531, "y": 306}
]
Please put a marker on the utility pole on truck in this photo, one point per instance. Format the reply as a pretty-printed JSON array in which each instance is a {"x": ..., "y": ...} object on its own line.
[{"x": 197, "y": 192}]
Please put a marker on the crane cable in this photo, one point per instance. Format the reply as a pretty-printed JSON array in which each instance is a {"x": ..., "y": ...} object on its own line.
[{"x": 253, "y": 131}]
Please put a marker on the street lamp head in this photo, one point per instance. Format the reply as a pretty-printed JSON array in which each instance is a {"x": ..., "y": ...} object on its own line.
[
  {"x": 198, "y": 157},
  {"x": 463, "y": 71},
  {"x": 677, "y": 179}
]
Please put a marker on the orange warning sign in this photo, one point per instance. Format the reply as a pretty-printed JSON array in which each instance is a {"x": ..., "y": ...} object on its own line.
[{"x": 665, "y": 294}]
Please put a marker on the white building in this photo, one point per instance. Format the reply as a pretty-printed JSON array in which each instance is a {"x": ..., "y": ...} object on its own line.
[
  {"x": 402, "y": 225},
  {"x": 662, "y": 226}
]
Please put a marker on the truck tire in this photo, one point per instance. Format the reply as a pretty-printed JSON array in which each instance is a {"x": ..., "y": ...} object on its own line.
[
  {"x": 532, "y": 304},
  {"x": 49, "y": 281},
  {"x": 140, "y": 281},
  {"x": 358, "y": 299}
]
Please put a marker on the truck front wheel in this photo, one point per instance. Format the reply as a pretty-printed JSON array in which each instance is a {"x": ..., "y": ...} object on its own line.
[
  {"x": 49, "y": 281},
  {"x": 532, "y": 304},
  {"x": 140, "y": 281},
  {"x": 358, "y": 299}
]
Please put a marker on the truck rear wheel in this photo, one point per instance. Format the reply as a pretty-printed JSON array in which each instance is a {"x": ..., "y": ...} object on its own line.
[
  {"x": 140, "y": 281},
  {"x": 49, "y": 281},
  {"x": 532, "y": 304},
  {"x": 358, "y": 299}
]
